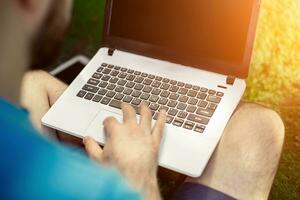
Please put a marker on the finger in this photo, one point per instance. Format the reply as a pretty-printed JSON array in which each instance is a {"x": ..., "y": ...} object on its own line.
[
  {"x": 159, "y": 126},
  {"x": 110, "y": 124},
  {"x": 129, "y": 114},
  {"x": 93, "y": 149},
  {"x": 146, "y": 116}
]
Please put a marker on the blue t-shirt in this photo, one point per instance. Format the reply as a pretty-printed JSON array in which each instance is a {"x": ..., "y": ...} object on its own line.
[{"x": 32, "y": 167}]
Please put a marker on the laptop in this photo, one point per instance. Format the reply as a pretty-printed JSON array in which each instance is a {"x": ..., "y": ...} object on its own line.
[{"x": 188, "y": 57}]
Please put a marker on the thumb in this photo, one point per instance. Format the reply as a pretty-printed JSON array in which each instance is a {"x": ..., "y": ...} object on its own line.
[{"x": 93, "y": 149}]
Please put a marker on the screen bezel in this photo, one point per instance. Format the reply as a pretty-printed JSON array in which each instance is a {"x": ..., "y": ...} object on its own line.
[{"x": 153, "y": 51}]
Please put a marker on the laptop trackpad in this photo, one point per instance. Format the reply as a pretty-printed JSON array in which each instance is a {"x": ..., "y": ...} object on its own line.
[{"x": 95, "y": 129}]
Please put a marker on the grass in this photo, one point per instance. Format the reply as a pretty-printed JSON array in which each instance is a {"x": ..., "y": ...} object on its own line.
[{"x": 274, "y": 78}]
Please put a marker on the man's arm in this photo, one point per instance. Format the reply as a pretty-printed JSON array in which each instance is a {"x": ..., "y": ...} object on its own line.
[{"x": 39, "y": 92}]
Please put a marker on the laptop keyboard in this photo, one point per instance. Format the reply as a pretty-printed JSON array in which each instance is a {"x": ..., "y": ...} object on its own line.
[{"x": 188, "y": 106}]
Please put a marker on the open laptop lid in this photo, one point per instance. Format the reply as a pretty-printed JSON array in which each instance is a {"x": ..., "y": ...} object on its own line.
[{"x": 214, "y": 35}]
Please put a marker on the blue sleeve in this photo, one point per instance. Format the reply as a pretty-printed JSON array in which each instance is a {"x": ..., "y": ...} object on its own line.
[{"x": 32, "y": 167}]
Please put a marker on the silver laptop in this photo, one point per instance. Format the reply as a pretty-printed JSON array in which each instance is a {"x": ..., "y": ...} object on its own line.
[{"x": 189, "y": 57}]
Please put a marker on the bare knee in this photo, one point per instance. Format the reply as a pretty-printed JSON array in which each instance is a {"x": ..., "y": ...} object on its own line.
[{"x": 266, "y": 123}]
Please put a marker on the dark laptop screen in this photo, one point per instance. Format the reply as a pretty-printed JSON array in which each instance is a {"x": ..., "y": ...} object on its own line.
[{"x": 209, "y": 34}]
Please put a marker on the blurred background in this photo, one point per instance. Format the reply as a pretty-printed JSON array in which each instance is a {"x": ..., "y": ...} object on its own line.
[{"x": 274, "y": 78}]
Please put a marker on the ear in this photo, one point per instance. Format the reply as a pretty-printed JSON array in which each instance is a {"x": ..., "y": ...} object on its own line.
[{"x": 34, "y": 12}]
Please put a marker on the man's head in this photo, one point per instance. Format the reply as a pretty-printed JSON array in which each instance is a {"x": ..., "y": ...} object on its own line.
[{"x": 26, "y": 26}]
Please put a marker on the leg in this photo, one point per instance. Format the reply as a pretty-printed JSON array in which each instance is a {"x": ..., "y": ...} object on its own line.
[{"x": 245, "y": 161}]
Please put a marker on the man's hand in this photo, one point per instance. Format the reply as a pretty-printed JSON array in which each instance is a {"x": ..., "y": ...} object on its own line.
[{"x": 132, "y": 147}]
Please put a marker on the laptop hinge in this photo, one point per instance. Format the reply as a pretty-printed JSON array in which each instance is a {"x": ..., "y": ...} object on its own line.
[
  {"x": 111, "y": 51},
  {"x": 230, "y": 80}
]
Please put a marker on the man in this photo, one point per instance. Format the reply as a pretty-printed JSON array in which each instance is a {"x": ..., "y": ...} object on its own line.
[{"x": 243, "y": 165}]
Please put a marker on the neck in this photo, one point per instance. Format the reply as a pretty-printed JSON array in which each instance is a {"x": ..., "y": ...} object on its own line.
[{"x": 13, "y": 55}]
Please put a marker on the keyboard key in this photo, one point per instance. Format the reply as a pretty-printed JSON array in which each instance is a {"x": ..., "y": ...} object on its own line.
[
  {"x": 211, "y": 92},
  {"x": 163, "y": 101},
  {"x": 183, "y": 91},
  {"x": 192, "y": 93},
  {"x": 110, "y": 66},
  {"x": 166, "y": 80},
  {"x": 145, "y": 96},
  {"x": 119, "y": 89},
  {"x": 174, "y": 88},
  {"x": 189, "y": 125},
  {"x": 191, "y": 109},
  {"x": 197, "y": 88},
  {"x": 181, "y": 106},
  {"x": 139, "y": 79},
  {"x": 199, "y": 128},
  {"x": 158, "y": 78},
  {"x": 97, "y": 98},
  {"x": 172, "y": 104},
  {"x": 114, "y": 73},
  {"x": 183, "y": 99},
  {"x": 156, "y": 91},
  {"x": 220, "y": 94},
  {"x": 111, "y": 94},
  {"x": 165, "y": 86},
  {"x": 113, "y": 80},
  {"x": 121, "y": 82},
  {"x": 130, "y": 84},
  {"x": 89, "y": 96},
  {"x": 144, "y": 75},
  {"x": 105, "y": 100},
  {"x": 205, "y": 112},
  {"x": 173, "y": 112},
  {"x": 128, "y": 91},
  {"x": 154, "y": 98},
  {"x": 81, "y": 93},
  {"x": 122, "y": 75},
  {"x": 102, "y": 91},
  {"x": 117, "y": 67},
  {"x": 151, "y": 76},
  {"x": 130, "y": 77},
  {"x": 100, "y": 69},
  {"x": 137, "y": 73},
  {"x": 130, "y": 71},
  {"x": 212, "y": 106},
  {"x": 180, "y": 84},
  {"x": 156, "y": 84},
  {"x": 201, "y": 96},
  {"x": 198, "y": 119},
  {"x": 188, "y": 86},
  {"x": 103, "y": 84},
  {"x": 104, "y": 64},
  {"x": 97, "y": 75},
  {"x": 182, "y": 114},
  {"x": 173, "y": 82},
  {"x": 106, "y": 71},
  {"x": 138, "y": 86},
  {"x": 105, "y": 78},
  {"x": 136, "y": 101},
  {"x": 163, "y": 108},
  {"x": 165, "y": 93},
  {"x": 119, "y": 96},
  {"x": 147, "y": 82},
  {"x": 136, "y": 93},
  {"x": 178, "y": 122},
  {"x": 147, "y": 89},
  {"x": 93, "y": 82},
  {"x": 169, "y": 119},
  {"x": 193, "y": 101},
  {"x": 123, "y": 69},
  {"x": 203, "y": 104},
  {"x": 213, "y": 99},
  {"x": 127, "y": 99},
  {"x": 154, "y": 106},
  {"x": 90, "y": 88},
  {"x": 174, "y": 96},
  {"x": 203, "y": 89},
  {"x": 111, "y": 87}
]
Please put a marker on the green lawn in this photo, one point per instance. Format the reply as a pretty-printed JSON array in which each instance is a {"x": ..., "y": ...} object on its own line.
[{"x": 273, "y": 80}]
